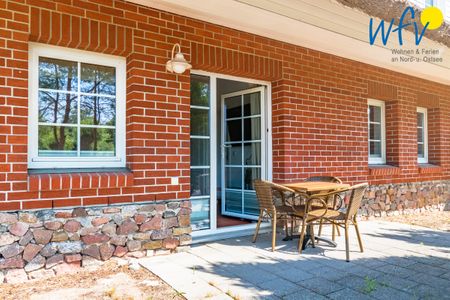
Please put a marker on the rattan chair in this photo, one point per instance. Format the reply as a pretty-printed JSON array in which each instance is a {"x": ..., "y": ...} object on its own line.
[
  {"x": 273, "y": 208},
  {"x": 347, "y": 218},
  {"x": 333, "y": 202}
]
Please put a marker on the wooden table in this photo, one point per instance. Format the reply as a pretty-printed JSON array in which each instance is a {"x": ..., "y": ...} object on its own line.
[{"x": 309, "y": 189}]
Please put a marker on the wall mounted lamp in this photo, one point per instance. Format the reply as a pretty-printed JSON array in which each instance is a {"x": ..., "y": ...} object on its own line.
[{"x": 177, "y": 64}]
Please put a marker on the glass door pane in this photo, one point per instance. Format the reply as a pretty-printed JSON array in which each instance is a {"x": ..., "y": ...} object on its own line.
[
  {"x": 242, "y": 151},
  {"x": 200, "y": 153}
]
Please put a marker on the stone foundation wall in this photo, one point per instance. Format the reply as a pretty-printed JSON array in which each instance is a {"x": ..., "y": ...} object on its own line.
[
  {"x": 33, "y": 243},
  {"x": 403, "y": 198}
]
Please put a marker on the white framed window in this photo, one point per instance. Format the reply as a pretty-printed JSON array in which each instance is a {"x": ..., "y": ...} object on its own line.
[
  {"x": 76, "y": 108},
  {"x": 422, "y": 135},
  {"x": 377, "y": 132}
]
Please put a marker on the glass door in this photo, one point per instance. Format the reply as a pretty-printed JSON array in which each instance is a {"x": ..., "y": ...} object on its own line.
[
  {"x": 242, "y": 151},
  {"x": 200, "y": 152}
]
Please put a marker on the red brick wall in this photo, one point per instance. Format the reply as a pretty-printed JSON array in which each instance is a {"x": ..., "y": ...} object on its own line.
[{"x": 319, "y": 103}]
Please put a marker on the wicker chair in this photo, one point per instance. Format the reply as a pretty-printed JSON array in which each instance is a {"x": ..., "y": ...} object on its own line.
[
  {"x": 333, "y": 201},
  {"x": 271, "y": 208},
  {"x": 347, "y": 218}
]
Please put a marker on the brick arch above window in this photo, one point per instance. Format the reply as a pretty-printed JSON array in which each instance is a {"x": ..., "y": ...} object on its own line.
[{"x": 50, "y": 27}]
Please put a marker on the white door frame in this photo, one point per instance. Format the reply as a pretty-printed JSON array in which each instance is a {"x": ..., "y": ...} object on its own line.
[
  {"x": 262, "y": 140},
  {"x": 267, "y": 105}
]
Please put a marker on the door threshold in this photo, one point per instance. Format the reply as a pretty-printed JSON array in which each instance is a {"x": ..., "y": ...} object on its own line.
[{"x": 204, "y": 236}]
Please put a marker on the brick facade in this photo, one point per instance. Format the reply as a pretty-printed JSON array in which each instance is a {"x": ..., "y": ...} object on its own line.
[{"x": 319, "y": 103}]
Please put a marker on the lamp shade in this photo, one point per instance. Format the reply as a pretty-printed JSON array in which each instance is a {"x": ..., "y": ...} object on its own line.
[{"x": 177, "y": 64}]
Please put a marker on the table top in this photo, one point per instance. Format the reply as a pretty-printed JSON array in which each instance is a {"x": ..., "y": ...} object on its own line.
[{"x": 316, "y": 186}]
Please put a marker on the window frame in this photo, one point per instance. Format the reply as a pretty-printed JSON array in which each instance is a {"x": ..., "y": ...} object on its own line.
[
  {"x": 377, "y": 160},
  {"x": 119, "y": 63},
  {"x": 424, "y": 159}
]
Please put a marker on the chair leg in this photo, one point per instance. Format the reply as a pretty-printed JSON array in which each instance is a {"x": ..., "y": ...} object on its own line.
[
  {"x": 286, "y": 227},
  {"x": 320, "y": 227},
  {"x": 311, "y": 232},
  {"x": 257, "y": 226},
  {"x": 274, "y": 230},
  {"x": 302, "y": 236},
  {"x": 338, "y": 231},
  {"x": 292, "y": 225},
  {"x": 333, "y": 231},
  {"x": 347, "y": 244},
  {"x": 358, "y": 235}
]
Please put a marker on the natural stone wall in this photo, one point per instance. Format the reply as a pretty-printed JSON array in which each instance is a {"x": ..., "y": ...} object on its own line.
[
  {"x": 403, "y": 198},
  {"x": 36, "y": 243}
]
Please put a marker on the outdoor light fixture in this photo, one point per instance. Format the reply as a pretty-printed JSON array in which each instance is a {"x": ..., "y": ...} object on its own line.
[{"x": 177, "y": 64}]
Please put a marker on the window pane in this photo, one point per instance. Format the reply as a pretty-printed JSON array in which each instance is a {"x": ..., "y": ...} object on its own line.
[
  {"x": 251, "y": 174},
  {"x": 420, "y": 135},
  {"x": 252, "y": 105},
  {"x": 200, "y": 182},
  {"x": 252, "y": 129},
  {"x": 375, "y": 149},
  {"x": 199, "y": 90},
  {"x": 233, "y": 131},
  {"x": 420, "y": 119},
  {"x": 58, "y": 74},
  {"x": 57, "y": 107},
  {"x": 374, "y": 113},
  {"x": 57, "y": 141},
  {"x": 199, "y": 122},
  {"x": 199, "y": 152},
  {"x": 375, "y": 132},
  {"x": 420, "y": 150},
  {"x": 98, "y": 79},
  {"x": 233, "y": 201},
  {"x": 233, "y": 178},
  {"x": 233, "y": 154},
  {"x": 97, "y": 142},
  {"x": 96, "y": 110},
  {"x": 251, "y": 205},
  {"x": 252, "y": 153},
  {"x": 200, "y": 213},
  {"x": 233, "y": 107}
]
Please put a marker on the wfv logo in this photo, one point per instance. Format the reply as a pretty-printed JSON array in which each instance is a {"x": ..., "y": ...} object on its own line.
[{"x": 431, "y": 18}]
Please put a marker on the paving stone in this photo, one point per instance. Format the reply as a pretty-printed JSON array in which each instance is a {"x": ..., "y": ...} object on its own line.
[
  {"x": 397, "y": 282},
  {"x": 320, "y": 285},
  {"x": 348, "y": 294},
  {"x": 304, "y": 294},
  {"x": 425, "y": 268},
  {"x": 388, "y": 293},
  {"x": 396, "y": 270},
  {"x": 280, "y": 287}
]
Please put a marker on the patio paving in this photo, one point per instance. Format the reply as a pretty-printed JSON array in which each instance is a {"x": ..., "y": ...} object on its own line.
[{"x": 400, "y": 262}]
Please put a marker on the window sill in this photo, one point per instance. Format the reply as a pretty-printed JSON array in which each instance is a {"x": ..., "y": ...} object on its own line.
[
  {"x": 429, "y": 169},
  {"x": 378, "y": 170},
  {"x": 65, "y": 179}
]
